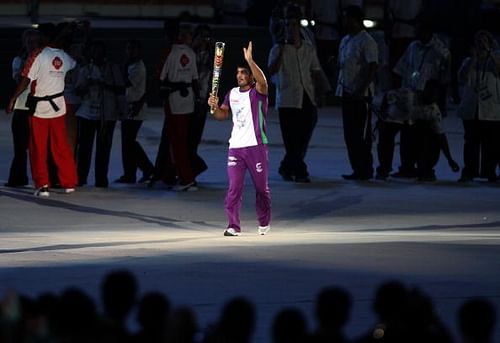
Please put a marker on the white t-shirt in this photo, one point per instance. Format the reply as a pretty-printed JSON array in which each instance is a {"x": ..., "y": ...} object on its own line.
[
  {"x": 249, "y": 111},
  {"x": 180, "y": 66},
  {"x": 47, "y": 69}
]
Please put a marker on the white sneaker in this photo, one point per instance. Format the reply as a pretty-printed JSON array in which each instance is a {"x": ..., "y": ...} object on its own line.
[
  {"x": 263, "y": 229},
  {"x": 43, "y": 191},
  {"x": 69, "y": 190},
  {"x": 231, "y": 232},
  {"x": 190, "y": 187}
]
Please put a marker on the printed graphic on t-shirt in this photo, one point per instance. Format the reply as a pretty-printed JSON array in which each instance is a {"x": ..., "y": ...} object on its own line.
[
  {"x": 184, "y": 60},
  {"x": 240, "y": 117},
  {"x": 57, "y": 63}
]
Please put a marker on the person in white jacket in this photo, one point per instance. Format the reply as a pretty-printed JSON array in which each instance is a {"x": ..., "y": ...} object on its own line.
[{"x": 480, "y": 108}]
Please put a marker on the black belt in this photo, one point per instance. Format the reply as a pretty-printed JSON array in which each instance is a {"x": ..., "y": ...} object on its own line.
[{"x": 49, "y": 98}]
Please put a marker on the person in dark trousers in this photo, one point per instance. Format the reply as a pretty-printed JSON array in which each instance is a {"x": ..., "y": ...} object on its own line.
[
  {"x": 133, "y": 155},
  {"x": 358, "y": 56},
  {"x": 479, "y": 108},
  {"x": 426, "y": 58},
  {"x": 203, "y": 46},
  {"x": 100, "y": 83},
  {"x": 293, "y": 64},
  {"x": 18, "y": 175}
]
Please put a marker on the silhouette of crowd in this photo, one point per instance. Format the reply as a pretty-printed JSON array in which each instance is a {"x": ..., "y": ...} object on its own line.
[{"x": 403, "y": 314}]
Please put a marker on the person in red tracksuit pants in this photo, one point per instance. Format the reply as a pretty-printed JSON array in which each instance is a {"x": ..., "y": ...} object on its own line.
[{"x": 46, "y": 69}]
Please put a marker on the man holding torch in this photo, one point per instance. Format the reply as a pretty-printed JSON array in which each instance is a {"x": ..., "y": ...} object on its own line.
[{"x": 247, "y": 104}]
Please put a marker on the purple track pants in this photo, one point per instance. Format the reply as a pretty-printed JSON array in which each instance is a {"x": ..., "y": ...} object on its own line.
[{"x": 255, "y": 160}]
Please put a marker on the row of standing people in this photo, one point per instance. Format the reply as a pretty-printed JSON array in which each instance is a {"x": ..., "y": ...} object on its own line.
[
  {"x": 98, "y": 93},
  {"x": 416, "y": 62}
]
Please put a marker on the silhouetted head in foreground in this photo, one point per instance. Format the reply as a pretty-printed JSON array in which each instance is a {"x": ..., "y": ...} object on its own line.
[
  {"x": 119, "y": 292},
  {"x": 476, "y": 319}
]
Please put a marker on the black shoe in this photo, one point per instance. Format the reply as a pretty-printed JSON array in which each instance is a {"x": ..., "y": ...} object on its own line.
[
  {"x": 356, "y": 176},
  {"x": 286, "y": 176},
  {"x": 465, "y": 179},
  {"x": 145, "y": 178},
  {"x": 430, "y": 178},
  {"x": 302, "y": 179},
  {"x": 404, "y": 175},
  {"x": 352, "y": 176},
  {"x": 11, "y": 184},
  {"x": 123, "y": 179},
  {"x": 381, "y": 177}
]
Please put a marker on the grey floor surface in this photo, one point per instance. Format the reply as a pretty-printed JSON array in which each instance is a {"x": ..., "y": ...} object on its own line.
[{"x": 442, "y": 237}]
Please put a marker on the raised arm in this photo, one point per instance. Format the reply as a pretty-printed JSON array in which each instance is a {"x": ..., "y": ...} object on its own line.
[{"x": 258, "y": 74}]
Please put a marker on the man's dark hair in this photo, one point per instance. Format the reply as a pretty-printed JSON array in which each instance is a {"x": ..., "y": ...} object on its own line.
[
  {"x": 244, "y": 64},
  {"x": 201, "y": 28},
  {"x": 171, "y": 28},
  {"x": 354, "y": 12},
  {"x": 293, "y": 11},
  {"x": 48, "y": 30},
  {"x": 426, "y": 23},
  {"x": 135, "y": 43}
]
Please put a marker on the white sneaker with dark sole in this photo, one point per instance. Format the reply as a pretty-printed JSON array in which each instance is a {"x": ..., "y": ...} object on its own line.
[
  {"x": 263, "y": 229},
  {"x": 69, "y": 190},
  {"x": 43, "y": 192},
  {"x": 231, "y": 232}
]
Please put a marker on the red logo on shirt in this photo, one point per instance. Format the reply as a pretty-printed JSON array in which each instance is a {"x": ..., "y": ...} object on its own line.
[
  {"x": 184, "y": 60},
  {"x": 57, "y": 63}
]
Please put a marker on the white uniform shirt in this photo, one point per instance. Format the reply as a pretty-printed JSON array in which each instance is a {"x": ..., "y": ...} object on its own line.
[
  {"x": 180, "y": 66},
  {"x": 355, "y": 54},
  {"x": 48, "y": 67},
  {"x": 295, "y": 74},
  {"x": 137, "y": 77},
  {"x": 481, "y": 91},
  {"x": 423, "y": 62}
]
